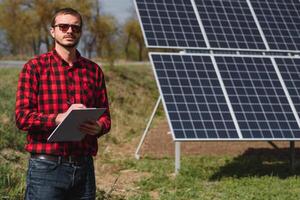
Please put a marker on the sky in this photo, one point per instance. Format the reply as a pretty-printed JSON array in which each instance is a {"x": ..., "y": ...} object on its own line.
[{"x": 121, "y": 9}]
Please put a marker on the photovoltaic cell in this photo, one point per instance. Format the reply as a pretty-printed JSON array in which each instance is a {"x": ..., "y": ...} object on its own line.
[
  {"x": 280, "y": 22},
  {"x": 229, "y": 24},
  {"x": 169, "y": 23},
  {"x": 290, "y": 72},
  {"x": 222, "y": 97},
  {"x": 193, "y": 97},
  {"x": 257, "y": 97}
]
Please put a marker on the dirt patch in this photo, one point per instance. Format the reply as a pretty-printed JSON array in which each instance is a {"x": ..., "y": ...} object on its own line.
[
  {"x": 4, "y": 119},
  {"x": 117, "y": 182},
  {"x": 159, "y": 143}
]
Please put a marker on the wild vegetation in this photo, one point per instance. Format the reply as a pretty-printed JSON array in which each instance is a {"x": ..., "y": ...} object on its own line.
[
  {"x": 24, "y": 25},
  {"x": 132, "y": 93},
  {"x": 126, "y": 92}
]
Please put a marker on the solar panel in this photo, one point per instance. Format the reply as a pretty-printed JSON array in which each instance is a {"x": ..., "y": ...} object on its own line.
[
  {"x": 193, "y": 97},
  {"x": 196, "y": 104},
  {"x": 229, "y": 24},
  {"x": 169, "y": 23},
  {"x": 289, "y": 68},
  {"x": 280, "y": 22},
  {"x": 258, "y": 98}
]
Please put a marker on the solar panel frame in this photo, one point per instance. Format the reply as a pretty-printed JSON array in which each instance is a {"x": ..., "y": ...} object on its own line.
[
  {"x": 181, "y": 22},
  {"x": 230, "y": 24},
  {"x": 222, "y": 139},
  {"x": 280, "y": 23},
  {"x": 258, "y": 97},
  {"x": 204, "y": 35},
  {"x": 208, "y": 103},
  {"x": 286, "y": 112},
  {"x": 290, "y": 72}
]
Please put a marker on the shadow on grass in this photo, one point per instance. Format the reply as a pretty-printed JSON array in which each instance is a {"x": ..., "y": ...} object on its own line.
[{"x": 260, "y": 162}]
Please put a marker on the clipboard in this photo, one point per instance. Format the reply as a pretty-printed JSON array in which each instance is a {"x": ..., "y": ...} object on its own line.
[{"x": 68, "y": 129}]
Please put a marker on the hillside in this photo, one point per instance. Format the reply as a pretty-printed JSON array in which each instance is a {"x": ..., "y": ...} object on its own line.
[
  {"x": 132, "y": 94},
  {"x": 210, "y": 170}
]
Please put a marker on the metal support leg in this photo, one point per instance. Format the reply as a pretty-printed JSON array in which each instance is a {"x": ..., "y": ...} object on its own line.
[
  {"x": 273, "y": 144},
  {"x": 292, "y": 155},
  {"x": 177, "y": 157},
  {"x": 137, "y": 155}
]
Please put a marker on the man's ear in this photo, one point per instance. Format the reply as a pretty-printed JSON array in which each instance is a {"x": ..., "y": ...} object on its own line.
[{"x": 52, "y": 32}]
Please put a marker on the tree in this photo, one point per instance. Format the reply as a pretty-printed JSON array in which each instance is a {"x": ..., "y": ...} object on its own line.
[
  {"x": 44, "y": 10},
  {"x": 102, "y": 31},
  {"x": 26, "y": 22},
  {"x": 14, "y": 23},
  {"x": 134, "y": 38}
]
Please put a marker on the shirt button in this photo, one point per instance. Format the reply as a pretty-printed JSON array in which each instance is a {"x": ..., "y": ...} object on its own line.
[{"x": 71, "y": 100}]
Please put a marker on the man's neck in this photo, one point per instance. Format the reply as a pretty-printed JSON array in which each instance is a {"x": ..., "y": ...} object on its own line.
[{"x": 68, "y": 55}]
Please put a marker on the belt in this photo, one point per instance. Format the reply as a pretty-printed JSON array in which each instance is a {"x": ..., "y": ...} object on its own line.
[{"x": 76, "y": 160}]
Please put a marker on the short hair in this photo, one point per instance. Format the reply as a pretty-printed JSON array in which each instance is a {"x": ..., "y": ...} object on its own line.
[{"x": 66, "y": 11}]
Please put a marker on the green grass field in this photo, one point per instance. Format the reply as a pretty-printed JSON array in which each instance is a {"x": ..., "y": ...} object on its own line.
[{"x": 247, "y": 177}]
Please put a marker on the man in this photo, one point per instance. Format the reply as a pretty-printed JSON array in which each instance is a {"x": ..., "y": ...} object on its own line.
[{"x": 49, "y": 86}]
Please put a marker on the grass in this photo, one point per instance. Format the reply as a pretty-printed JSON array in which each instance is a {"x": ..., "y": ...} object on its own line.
[
  {"x": 11, "y": 137},
  {"x": 130, "y": 88},
  {"x": 133, "y": 93},
  {"x": 204, "y": 178},
  {"x": 12, "y": 173},
  {"x": 125, "y": 91}
]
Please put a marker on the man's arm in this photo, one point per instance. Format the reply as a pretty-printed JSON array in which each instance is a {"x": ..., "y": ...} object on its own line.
[
  {"x": 27, "y": 117},
  {"x": 102, "y": 102}
]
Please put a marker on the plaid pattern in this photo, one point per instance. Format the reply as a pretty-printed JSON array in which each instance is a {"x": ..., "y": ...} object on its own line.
[{"x": 46, "y": 87}]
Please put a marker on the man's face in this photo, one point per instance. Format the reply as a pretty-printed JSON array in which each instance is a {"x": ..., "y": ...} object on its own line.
[{"x": 66, "y": 31}]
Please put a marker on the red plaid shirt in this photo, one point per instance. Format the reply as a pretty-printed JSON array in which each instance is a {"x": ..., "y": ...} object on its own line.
[{"x": 46, "y": 87}]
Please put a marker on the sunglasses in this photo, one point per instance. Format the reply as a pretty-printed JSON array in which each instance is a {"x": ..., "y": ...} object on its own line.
[{"x": 65, "y": 27}]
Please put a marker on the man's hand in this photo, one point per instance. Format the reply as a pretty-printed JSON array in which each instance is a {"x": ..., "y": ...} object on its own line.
[
  {"x": 60, "y": 117},
  {"x": 91, "y": 128}
]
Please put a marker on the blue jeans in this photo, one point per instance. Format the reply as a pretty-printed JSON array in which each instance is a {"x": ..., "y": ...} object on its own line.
[{"x": 49, "y": 180}]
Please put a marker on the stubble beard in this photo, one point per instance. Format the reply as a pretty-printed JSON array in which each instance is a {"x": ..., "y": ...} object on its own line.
[{"x": 68, "y": 46}]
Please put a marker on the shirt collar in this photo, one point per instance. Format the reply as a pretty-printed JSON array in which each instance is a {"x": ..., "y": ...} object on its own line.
[{"x": 62, "y": 62}]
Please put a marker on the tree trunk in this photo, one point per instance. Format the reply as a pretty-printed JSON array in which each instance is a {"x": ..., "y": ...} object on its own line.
[
  {"x": 127, "y": 47},
  {"x": 141, "y": 48},
  {"x": 34, "y": 47},
  {"x": 47, "y": 43}
]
